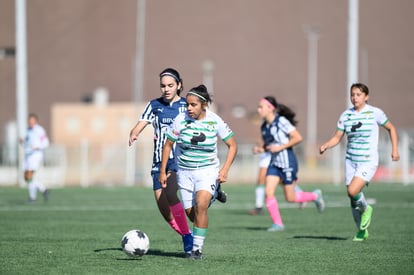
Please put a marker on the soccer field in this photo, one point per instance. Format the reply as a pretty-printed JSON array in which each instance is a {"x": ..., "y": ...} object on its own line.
[{"x": 79, "y": 232}]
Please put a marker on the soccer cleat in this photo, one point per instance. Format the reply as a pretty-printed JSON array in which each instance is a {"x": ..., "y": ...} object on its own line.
[
  {"x": 46, "y": 195},
  {"x": 361, "y": 235},
  {"x": 366, "y": 218},
  {"x": 319, "y": 202},
  {"x": 276, "y": 227},
  {"x": 221, "y": 195},
  {"x": 188, "y": 243},
  {"x": 31, "y": 201},
  {"x": 196, "y": 255},
  {"x": 256, "y": 211}
]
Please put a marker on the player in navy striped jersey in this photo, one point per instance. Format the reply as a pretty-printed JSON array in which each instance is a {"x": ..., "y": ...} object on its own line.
[
  {"x": 199, "y": 173},
  {"x": 360, "y": 124},
  {"x": 280, "y": 136},
  {"x": 160, "y": 112}
]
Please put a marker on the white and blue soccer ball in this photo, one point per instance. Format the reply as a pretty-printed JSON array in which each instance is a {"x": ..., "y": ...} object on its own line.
[{"x": 135, "y": 243}]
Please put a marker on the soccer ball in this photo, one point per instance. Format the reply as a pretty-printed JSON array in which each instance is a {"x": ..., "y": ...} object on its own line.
[{"x": 135, "y": 243}]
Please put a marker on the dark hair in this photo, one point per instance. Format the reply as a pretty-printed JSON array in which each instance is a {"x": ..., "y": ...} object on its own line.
[
  {"x": 283, "y": 110},
  {"x": 201, "y": 92},
  {"x": 174, "y": 74},
  {"x": 362, "y": 87},
  {"x": 33, "y": 115}
]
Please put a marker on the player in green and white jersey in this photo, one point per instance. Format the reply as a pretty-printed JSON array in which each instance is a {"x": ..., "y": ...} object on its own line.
[
  {"x": 199, "y": 174},
  {"x": 360, "y": 124}
]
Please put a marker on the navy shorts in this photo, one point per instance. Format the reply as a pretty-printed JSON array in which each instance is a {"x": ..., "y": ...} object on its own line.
[
  {"x": 288, "y": 175},
  {"x": 155, "y": 172}
]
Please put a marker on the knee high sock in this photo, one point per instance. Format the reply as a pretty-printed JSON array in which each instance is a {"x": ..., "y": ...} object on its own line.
[
  {"x": 356, "y": 214},
  {"x": 273, "y": 209},
  {"x": 358, "y": 205},
  {"x": 360, "y": 201},
  {"x": 39, "y": 185},
  {"x": 260, "y": 193},
  {"x": 199, "y": 237},
  {"x": 305, "y": 196},
  {"x": 32, "y": 189},
  {"x": 180, "y": 219}
]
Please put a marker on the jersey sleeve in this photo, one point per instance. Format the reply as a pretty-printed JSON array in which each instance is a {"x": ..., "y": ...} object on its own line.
[
  {"x": 43, "y": 139},
  {"x": 381, "y": 117},
  {"x": 340, "y": 124},
  {"x": 285, "y": 125},
  {"x": 148, "y": 114},
  {"x": 173, "y": 132},
  {"x": 224, "y": 131}
]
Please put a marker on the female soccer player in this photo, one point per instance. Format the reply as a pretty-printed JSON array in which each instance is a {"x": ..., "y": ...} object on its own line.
[
  {"x": 265, "y": 157},
  {"x": 360, "y": 124},
  {"x": 279, "y": 136},
  {"x": 199, "y": 172},
  {"x": 35, "y": 142},
  {"x": 161, "y": 112}
]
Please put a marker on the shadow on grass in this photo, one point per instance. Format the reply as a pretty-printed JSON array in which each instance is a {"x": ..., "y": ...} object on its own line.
[
  {"x": 321, "y": 238},
  {"x": 153, "y": 252}
]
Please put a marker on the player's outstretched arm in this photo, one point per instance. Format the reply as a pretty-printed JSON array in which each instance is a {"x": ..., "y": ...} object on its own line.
[
  {"x": 335, "y": 139},
  {"x": 133, "y": 134},
  {"x": 395, "y": 155},
  {"x": 231, "y": 155}
]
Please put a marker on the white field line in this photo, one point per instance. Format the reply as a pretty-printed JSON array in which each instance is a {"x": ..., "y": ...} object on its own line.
[{"x": 216, "y": 206}]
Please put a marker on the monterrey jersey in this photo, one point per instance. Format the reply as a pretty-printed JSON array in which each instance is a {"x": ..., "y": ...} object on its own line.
[
  {"x": 197, "y": 140},
  {"x": 161, "y": 114},
  {"x": 277, "y": 133},
  {"x": 362, "y": 132},
  {"x": 36, "y": 140}
]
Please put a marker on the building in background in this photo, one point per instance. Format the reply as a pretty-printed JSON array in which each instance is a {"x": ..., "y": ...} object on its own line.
[{"x": 252, "y": 49}]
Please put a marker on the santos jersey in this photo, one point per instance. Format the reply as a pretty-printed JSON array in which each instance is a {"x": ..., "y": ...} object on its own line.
[
  {"x": 197, "y": 140},
  {"x": 277, "y": 133},
  {"x": 36, "y": 140},
  {"x": 362, "y": 132},
  {"x": 161, "y": 114}
]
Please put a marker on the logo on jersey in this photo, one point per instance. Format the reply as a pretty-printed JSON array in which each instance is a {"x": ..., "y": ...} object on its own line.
[
  {"x": 356, "y": 126},
  {"x": 198, "y": 137}
]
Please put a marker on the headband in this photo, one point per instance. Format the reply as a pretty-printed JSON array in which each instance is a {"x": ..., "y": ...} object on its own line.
[
  {"x": 172, "y": 75},
  {"x": 197, "y": 95},
  {"x": 267, "y": 102}
]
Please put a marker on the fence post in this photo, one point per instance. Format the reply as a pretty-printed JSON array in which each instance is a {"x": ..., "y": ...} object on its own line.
[{"x": 84, "y": 168}]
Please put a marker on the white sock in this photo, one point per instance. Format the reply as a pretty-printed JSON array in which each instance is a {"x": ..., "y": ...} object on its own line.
[
  {"x": 32, "y": 190},
  {"x": 357, "y": 216},
  {"x": 39, "y": 186},
  {"x": 198, "y": 242},
  {"x": 361, "y": 203},
  {"x": 260, "y": 194}
]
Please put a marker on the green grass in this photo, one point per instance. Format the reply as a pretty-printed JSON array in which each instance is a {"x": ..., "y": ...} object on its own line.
[{"x": 79, "y": 232}]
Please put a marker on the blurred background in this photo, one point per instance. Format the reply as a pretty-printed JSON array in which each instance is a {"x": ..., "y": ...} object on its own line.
[{"x": 88, "y": 67}]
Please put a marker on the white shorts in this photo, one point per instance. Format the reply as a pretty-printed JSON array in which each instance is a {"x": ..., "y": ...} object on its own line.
[
  {"x": 33, "y": 161},
  {"x": 265, "y": 159},
  {"x": 192, "y": 181},
  {"x": 365, "y": 171}
]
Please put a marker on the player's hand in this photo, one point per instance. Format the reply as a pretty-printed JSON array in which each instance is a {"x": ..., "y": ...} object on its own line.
[
  {"x": 274, "y": 148},
  {"x": 132, "y": 138},
  {"x": 222, "y": 176},
  {"x": 163, "y": 179},
  {"x": 395, "y": 156},
  {"x": 257, "y": 149},
  {"x": 322, "y": 149}
]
